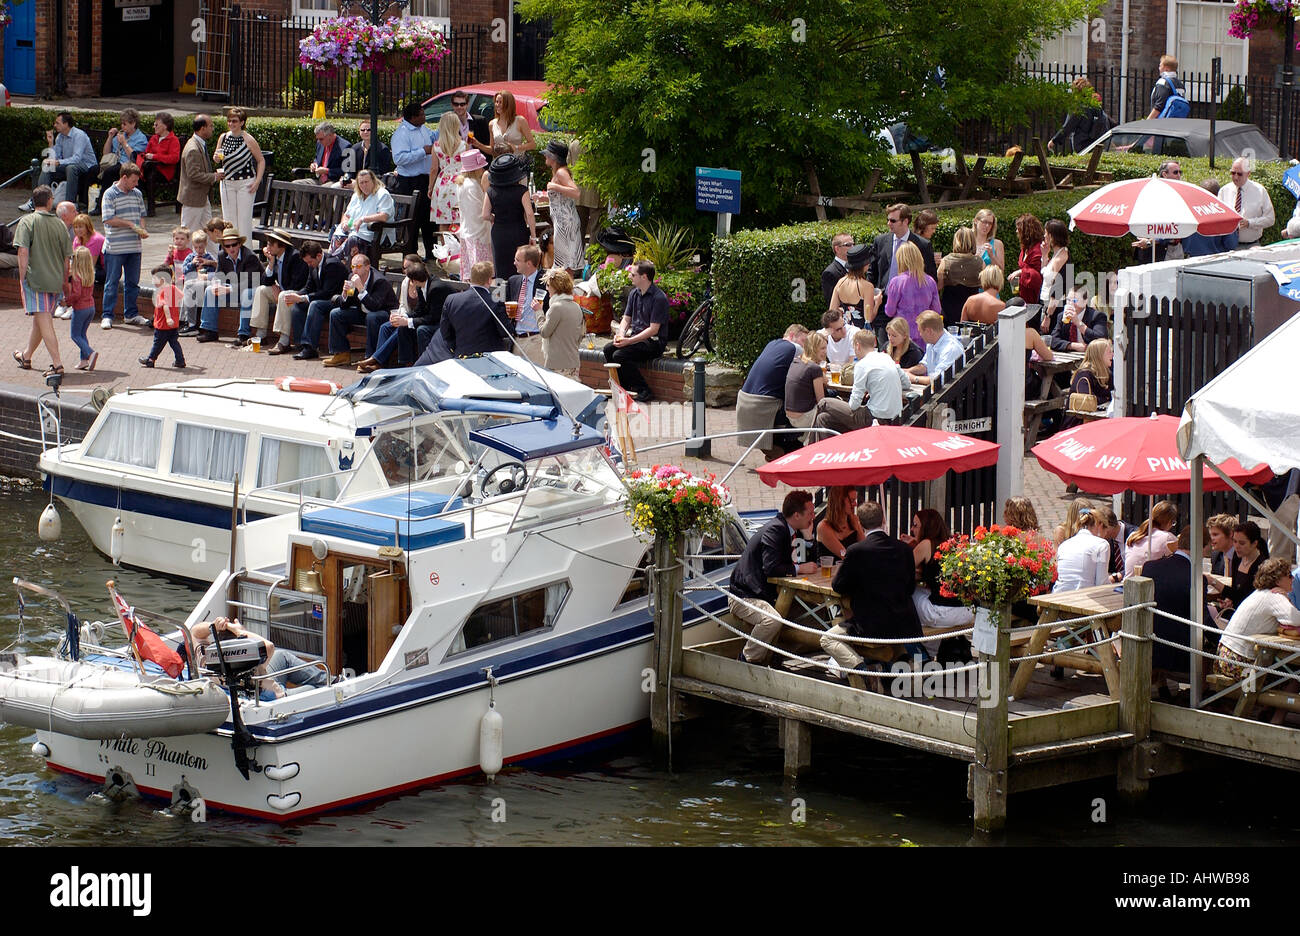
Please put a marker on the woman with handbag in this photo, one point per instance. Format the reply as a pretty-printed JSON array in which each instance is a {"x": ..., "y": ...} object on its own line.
[{"x": 1090, "y": 389}]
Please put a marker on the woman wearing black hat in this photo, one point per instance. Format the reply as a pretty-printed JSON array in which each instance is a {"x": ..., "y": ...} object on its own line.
[
  {"x": 510, "y": 211},
  {"x": 854, "y": 294},
  {"x": 564, "y": 208}
]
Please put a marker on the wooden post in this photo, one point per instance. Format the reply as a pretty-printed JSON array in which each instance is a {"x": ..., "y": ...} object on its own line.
[
  {"x": 815, "y": 188},
  {"x": 666, "y": 589},
  {"x": 922, "y": 185},
  {"x": 1135, "y": 685},
  {"x": 1043, "y": 164},
  {"x": 992, "y": 741},
  {"x": 796, "y": 742}
]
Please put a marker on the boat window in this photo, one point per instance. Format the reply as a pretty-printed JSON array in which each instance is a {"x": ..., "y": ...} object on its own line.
[
  {"x": 128, "y": 439},
  {"x": 205, "y": 452},
  {"x": 423, "y": 451},
  {"x": 638, "y": 586},
  {"x": 282, "y": 461},
  {"x": 503, "y": 618}
]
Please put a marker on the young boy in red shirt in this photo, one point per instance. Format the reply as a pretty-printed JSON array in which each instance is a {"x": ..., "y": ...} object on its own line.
[{"x": 166, "y": 317}]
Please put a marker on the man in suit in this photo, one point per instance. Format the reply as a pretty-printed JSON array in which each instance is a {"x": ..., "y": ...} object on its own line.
[
  {"x": 840, "y": 244},
  {"x": 878, "y": 576},
  {"x": 884, "y": 263},
  {"x": 1172, "y": 576},
  {"x": 769, "y": 553},
  {"x": 308, "y": 310},
  {"x": 534, "y": 299},
  {"x": 327, "y": 166},
  {"x": 425, "y": 312},
  {"x": 196, "y": 176},
  {"x": 368, "y": 154},
  {"x": 472, "y": 321},
  {"x": 238, "y": 274},
  {"x": 285, "y": 271},
  {"x": 365, "y": 294}
]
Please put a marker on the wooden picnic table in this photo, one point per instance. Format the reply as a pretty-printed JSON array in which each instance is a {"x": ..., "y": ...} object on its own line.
[
  {"x": 1052, "y": 608},
  {"x": 1050, "y": 396},
  {"x": 1272, "y": 651}
]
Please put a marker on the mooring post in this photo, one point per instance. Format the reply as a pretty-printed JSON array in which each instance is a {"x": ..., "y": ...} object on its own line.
[
  {"x": 796, "y": 742},
  {"x": 1135, "y": 685},
  {"x": 666, "y": 590},
  {"x": 992, "y": 744}
]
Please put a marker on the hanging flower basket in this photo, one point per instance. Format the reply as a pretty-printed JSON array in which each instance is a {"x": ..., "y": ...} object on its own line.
[
  {"x": 668, "y": 501},
  {"x": 353, "y": 43},
  {"x": 996, "y": 567},
  {"x": 1251, "y": 16}
]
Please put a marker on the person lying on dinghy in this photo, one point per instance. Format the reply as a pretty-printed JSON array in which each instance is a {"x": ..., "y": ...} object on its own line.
[{"x": 281, "y": 667}]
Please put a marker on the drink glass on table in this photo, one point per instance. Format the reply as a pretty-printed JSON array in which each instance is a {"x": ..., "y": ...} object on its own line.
[{"x": 827, "y": 564}]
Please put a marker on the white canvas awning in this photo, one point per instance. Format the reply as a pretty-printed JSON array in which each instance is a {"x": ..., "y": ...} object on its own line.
[{"x": 1251, "y": 411}]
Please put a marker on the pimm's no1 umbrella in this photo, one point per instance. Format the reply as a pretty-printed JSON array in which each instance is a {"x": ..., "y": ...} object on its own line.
[
  {"x": 877, "y": 453},
  {"x": 1132, "y": 453},
  {"x": 1154, "y": 208}
]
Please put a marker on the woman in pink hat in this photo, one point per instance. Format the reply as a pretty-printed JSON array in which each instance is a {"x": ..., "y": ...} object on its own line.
[{"x": 475, "y": 232}]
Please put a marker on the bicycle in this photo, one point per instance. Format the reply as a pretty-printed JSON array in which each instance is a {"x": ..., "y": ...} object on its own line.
[{"x": 698, "y": 329}]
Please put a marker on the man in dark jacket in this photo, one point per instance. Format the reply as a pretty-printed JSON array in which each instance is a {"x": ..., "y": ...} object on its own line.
[
  {"x": 239, "y": 273},
  {"x": 311, "y": 309},
  {"x": 1172, "y": 576},
  {"x": 285, "y": 271},
  {"x": 1077, "y": 324},
  {"x": 327, "y": 166},
  {"x": 769, "y": 553},
  {"x": 374, "y": 156},
  {"x": 834, "y": 272},
  {"x": 472, "y": 321},
  {"x": 884, "y": 263},
  {"x": 877, "y": 576},
  {"x": 366, "y": 292}
]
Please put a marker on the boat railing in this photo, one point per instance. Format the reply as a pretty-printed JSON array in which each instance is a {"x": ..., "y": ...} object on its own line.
[{"x": 282, "y": 487}]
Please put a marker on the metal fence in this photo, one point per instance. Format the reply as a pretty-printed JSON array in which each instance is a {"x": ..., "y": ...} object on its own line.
[
  {"x": 263, "y": 54},
  {"x": 1174, "y": 351},
  {"x": 1249, "y": 99}
]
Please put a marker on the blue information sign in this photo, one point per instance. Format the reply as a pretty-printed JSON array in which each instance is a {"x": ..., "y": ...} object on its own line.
[{"x": 717, "y": 190}]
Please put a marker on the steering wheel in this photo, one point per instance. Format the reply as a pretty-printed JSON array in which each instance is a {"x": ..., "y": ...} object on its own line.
[{"x": 518, "y": 478}]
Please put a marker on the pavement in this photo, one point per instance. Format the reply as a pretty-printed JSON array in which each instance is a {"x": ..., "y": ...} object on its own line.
[{"x": 118, "y": 369}]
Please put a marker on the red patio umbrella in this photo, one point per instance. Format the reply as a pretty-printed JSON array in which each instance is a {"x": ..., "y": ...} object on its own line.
[
  {"x": 877, "y": 453},
  {"x": 1132, "y": 453}
]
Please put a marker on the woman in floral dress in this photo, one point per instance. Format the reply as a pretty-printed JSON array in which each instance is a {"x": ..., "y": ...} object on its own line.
[
  {"x": 564, "y": 209},
  {"x": 444, "y": 200}
]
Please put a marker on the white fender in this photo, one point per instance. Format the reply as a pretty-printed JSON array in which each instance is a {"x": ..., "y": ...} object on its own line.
[
  {"x": 491, "y": 741},
  {"x": 50, "y": 526},
  {"x": 115, "y": 539}
]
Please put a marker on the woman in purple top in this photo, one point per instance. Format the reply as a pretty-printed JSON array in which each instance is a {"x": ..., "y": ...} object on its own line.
[{"x": 912, "y": 291}]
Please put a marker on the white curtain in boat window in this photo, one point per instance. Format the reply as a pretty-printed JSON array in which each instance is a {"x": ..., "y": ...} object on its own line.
[
  {"x": 283, "y": 461},
  {"x": 128, "y": 439},
  {"x": 208, "y": 453}
]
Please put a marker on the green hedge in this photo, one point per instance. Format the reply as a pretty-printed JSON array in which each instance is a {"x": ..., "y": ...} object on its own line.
[{"x": 757, "y": 273}]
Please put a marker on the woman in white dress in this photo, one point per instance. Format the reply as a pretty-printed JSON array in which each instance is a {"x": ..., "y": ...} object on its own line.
[
  {"x": 1083, "y": 560},
  {"x": 475, "y": 233},
  {"x": 444, "y": 199},
  {"x": 563, "y": 195},
  {"x": 510, "y": 132}
]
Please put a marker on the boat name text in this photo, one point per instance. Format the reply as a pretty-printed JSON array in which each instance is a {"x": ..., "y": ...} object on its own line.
[{"x": 154, "y": 749}]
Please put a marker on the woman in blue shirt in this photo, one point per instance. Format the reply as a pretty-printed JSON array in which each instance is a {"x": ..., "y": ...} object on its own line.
[
  {"x": 370, "y": 204},
  {"x": 124, "y": 144}
]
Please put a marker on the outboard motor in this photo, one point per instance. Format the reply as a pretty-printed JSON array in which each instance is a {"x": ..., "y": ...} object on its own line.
[{"x": 242, "y": 655}]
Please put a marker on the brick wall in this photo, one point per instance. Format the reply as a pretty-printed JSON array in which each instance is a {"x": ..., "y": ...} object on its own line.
[{"x": 19, "y": 416}]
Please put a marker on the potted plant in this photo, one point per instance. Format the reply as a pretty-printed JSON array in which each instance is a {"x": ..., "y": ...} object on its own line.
[
  {"x": 1250, "y": 16},
  {"x": 995, "y": 567},
  {"x": 353, "y": 43},
  {"x": 669, "y": 502}
]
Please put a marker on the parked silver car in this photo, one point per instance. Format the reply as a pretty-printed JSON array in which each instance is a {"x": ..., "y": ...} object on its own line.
[{"x": 1185, "y": 136}]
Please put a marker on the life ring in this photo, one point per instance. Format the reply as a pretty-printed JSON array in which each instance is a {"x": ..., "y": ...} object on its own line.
[{"x": 306, "y": 385}]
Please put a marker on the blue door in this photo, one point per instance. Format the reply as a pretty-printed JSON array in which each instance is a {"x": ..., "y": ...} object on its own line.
[{"x": 20, "y": 48}]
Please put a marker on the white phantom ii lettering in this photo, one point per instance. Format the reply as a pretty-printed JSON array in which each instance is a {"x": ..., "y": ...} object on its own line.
[{"x": 103, "y": 889}]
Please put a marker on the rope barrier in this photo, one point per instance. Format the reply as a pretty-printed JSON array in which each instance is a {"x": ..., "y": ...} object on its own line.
[
  {"x": 1214, "y": 656},
  {"x": 845, "y": 638}
]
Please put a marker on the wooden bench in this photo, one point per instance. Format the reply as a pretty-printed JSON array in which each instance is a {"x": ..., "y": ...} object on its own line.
[{"x": 311, "y": 212}]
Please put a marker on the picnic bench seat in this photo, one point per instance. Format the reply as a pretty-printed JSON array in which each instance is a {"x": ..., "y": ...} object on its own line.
[{"x": 311, "y": 212}]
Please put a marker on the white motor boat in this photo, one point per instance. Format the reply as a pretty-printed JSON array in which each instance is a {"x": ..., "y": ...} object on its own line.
[
  {"x": 153, "y": 481},
  {"x": 495, "y": 572}
]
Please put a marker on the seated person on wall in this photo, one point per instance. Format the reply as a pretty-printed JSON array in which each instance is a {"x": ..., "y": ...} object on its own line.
[
  {"x": 238, "y": 274},
  {"x": 760, "y": 404},
  {"x": 285, "y": 272},
  {"x": 472, "y": 322},
  {"x": 325, "y": 277},
  {"x": 768, "y": 554},
  {"x": 397, "y": 336},
  {"x": 281, "y": 667},
  {"x": 367, "y": 298},
  {"x": 636, "y": 339},
  {"x": 878, "y": 388},
  {"x": 942, "y": 349}
]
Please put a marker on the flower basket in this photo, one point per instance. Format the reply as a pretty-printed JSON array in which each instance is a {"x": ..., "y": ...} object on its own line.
[
  {"x": 996, "y": 567},
  {"x": 353, "y": 43},
  {"x": 668, "y": 502},
  {"x": 399, "y": 61},
  {"x": 1251, "y": 16}
]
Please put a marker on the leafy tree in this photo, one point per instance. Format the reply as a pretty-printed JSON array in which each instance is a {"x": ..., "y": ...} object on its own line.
[{"x": 657, "y": 87}]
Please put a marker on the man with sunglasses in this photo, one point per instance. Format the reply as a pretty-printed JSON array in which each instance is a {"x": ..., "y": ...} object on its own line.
[
  {"x": 1250, "y": 200},
  {"x": 840, "y": 244},
  {"x": 370, "y": 154},
  {"x": 884, "y": 263}
]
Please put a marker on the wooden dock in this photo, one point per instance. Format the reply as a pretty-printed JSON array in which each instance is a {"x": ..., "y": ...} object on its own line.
[{"x": 1061, "y": 729}]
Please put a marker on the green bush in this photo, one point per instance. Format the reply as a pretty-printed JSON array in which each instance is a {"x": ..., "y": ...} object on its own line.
[
  {"x": 1234, "y": 106},
  {"x": 765, "y": 279}
]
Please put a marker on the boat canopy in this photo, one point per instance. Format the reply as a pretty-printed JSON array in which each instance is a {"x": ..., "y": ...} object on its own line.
[
  {"x": 499, "y": 376},
  {"x": 538, "y": 438}
]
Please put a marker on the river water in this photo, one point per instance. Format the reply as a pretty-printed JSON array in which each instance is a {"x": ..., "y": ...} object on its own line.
[{"x": 728, "y": 789}]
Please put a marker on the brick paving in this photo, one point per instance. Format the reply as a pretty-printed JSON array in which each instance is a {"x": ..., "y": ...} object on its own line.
[{"x": 123, "y": 344}]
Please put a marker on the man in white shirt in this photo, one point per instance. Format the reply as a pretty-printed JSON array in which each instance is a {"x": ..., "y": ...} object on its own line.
[
  {"x": 1250, "y": 200},
  {"x": 941, "y": 349},
  {"x": 878, "y": 382},
  {"x": 839, "y": 337}
]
